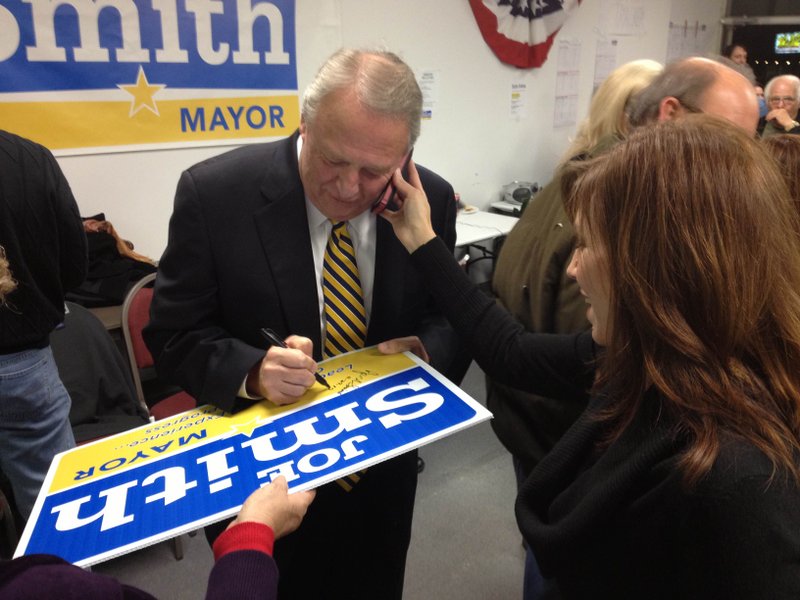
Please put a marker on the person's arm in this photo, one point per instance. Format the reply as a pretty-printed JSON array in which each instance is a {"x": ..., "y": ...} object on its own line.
[
  {"x": 557, "y": 366},
  {"x": 189, "y": 346},
  {"x": 73, "y": 248},
  {"x": 440, "y": 345},
  {"x": 186, "y": 337},
  {"x": 780, "y": 118},
  {"x": 244, "y": 568},
  {"x": 552, "y": 365}
]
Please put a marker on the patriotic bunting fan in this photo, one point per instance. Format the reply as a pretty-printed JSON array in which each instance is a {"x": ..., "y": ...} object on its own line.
[{"x": 520, "y": 32}]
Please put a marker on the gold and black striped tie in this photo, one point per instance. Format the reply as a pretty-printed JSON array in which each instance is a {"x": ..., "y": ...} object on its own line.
[{"x": 345, "y": 317}]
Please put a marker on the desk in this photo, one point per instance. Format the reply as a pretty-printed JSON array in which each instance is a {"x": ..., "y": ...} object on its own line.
[
  {"x": 481, "y": 226},
  {"x": 474, "y": 230}
]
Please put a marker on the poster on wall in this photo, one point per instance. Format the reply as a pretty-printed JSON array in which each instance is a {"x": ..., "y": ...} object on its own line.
[
  {"x": 151, "y": 483},
  {"x": 92, "y": 76}
]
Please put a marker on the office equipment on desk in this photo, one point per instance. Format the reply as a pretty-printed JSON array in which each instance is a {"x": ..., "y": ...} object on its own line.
[
  {"x": 475, "y": 230},
  {"x": 507, "y": 208},
  {"x": 516, "y": 196},
  {"x": 519, "y": 192}
]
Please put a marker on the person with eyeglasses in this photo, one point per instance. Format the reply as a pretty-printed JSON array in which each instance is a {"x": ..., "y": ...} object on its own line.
[{"x": 783, "y": 100}]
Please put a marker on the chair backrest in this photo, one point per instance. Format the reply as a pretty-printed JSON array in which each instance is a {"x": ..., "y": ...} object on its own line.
[{"x": 135, "y": 316}]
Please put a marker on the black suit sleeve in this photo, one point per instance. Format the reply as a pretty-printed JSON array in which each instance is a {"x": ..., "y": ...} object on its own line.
[{"x": 189, "y": 344}]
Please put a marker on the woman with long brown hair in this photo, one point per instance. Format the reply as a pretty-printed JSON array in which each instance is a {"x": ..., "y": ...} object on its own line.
[
  {"x": 785, "y": 149},
  {"x": 681, "y": 478}
]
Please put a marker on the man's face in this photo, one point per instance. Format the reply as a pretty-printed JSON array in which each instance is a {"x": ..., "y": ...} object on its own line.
[
  {"x": 782, "y": 94},
  {"x": 348, "y": 155},
  {"x": 739, "y": 55}
]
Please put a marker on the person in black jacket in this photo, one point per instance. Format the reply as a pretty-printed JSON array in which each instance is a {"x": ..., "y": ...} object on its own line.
[
  {"x": 42, "y": 234},
  {"x": 681, "y": 478},
  {"x": 247, "y": 250}
]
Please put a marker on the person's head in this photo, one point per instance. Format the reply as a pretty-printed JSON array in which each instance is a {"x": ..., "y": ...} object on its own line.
[
  {"x": 785, "y": 149},
  {"x": 360, "y": 117},
  {"x": 608, "y": 109},
  {"x": 676, "y": 222},
  {"x": 697, "y": 85},
  {"x": 737, "y": 53},
  {"x": 783, "y": 91},
  {"x": 7, "y": 282}
]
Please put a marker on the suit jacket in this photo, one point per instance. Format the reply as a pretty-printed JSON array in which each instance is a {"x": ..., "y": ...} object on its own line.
[{"x": 239, "y": 258}]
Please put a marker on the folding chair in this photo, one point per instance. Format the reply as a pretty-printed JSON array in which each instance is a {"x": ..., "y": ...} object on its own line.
[{"x": 135, "y": 316}]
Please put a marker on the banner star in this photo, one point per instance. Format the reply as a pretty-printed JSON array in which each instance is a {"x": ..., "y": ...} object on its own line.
[
  {"x": 246, "y": 428},
  {"x": 142, "y": 92}
]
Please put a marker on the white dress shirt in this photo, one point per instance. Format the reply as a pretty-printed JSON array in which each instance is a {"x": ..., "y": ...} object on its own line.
[{"x": 363, "y": 232}]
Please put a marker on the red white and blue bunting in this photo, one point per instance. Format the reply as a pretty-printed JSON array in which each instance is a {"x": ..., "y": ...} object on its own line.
[{"x": 520, "y": 32}]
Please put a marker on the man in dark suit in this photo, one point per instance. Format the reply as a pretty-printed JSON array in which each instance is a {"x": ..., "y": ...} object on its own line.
[{"x": 246, "y": 246}]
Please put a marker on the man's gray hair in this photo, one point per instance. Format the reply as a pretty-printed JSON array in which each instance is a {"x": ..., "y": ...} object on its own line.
[
  {"x": 382, "y": 82},
  {"x": 794, "y": 80},
  {"x": 686, "y": 79}
]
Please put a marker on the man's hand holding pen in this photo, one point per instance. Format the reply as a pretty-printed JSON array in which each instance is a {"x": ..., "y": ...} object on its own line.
[{"x": 284, "y": 374}]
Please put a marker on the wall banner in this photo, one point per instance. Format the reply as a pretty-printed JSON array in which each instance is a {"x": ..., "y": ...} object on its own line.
[
  {"x": 88, "y": 76},
  {"x": 176, "y": 475}
]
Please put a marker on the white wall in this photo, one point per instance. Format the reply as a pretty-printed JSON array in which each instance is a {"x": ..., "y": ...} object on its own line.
[{"x": 472, "y": 140}]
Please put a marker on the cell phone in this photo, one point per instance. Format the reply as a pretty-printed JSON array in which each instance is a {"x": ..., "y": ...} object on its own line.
[{"x": 386, "y": 198}]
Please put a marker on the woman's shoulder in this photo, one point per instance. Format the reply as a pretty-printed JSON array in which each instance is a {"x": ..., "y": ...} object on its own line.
[{"x": 743, "y": 480}]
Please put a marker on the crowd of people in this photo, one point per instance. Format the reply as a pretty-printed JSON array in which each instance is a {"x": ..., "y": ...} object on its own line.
[{"x": 641, "y": 360}]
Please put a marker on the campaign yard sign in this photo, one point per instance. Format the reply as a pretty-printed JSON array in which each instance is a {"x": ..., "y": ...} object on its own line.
[{"x": 152, "y": 483}]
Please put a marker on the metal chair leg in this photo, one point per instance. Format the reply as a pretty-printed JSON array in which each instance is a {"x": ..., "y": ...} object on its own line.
[{"x": 177, "y": 547}]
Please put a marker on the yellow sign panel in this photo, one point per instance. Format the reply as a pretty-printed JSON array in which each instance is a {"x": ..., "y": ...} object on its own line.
[{"x": 150, "y": 442}]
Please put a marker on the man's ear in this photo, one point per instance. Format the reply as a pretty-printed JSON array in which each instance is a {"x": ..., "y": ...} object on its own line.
[
  {"x": 302, "y": 129},
  {"x": 670, "y": 108}
]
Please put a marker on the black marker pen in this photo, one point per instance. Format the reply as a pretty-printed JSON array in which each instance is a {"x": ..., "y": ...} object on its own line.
[{"x": 273, "y": 339}]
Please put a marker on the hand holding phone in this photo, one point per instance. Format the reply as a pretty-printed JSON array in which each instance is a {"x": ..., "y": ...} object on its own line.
[{"x": 386, "y": 198}]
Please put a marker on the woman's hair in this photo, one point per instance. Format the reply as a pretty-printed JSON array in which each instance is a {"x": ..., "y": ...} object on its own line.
[
  {"x": 382, "y": 82},
  {"x": 702, "y": 247},
  {"x": 785, "y": 149},
  {"x": 7, "y": 283},
  {"x": 608, "y": 109}
]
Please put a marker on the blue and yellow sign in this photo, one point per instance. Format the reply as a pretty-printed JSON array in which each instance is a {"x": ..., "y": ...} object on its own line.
[
  {"x": 176, "y": 475},
  {"x": 100, "y": 75}
]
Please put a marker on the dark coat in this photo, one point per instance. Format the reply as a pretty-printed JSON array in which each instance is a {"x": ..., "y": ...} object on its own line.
[{"x": 42, "y": 233}]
